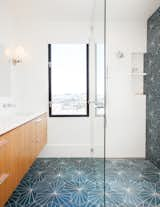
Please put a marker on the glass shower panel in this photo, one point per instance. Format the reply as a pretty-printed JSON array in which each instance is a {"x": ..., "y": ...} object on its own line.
[
  {"x": 133, "y": 109},
  {"x": 76, "y": 76},
  {"x": 96, "y": 100}
]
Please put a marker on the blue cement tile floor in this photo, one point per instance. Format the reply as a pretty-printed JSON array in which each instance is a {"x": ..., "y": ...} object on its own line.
[{"x": 80, "y": 183}]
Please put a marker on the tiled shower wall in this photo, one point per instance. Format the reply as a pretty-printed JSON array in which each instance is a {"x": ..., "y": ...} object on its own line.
[{"x": 152, "y": 89}]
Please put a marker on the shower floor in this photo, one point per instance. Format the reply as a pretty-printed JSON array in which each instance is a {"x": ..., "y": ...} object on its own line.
[{"x": 80, "y": 183}]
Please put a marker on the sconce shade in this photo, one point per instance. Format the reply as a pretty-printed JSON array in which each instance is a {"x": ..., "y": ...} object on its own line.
[
  {"x": 8, "y": 52},
  {"x": 16, "y": 56},
  {"x": 19, "y": 52}
]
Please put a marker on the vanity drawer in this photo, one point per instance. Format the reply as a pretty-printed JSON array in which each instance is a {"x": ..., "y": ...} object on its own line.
[
  {"x": 8, "y": 179},
  {"x": 40, "y": 132},
  {"x": 4, "y": 145},
  {"x": 18, "y": 150}
]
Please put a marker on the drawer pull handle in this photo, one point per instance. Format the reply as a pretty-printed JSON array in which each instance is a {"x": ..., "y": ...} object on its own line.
[
  {"x": 38, "y": 140},
  {"x": 3, "y": 142},
  {"x": 3, "y": 178}
]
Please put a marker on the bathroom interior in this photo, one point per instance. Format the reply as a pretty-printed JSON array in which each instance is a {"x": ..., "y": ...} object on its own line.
[{"x": 80, "y": 103}]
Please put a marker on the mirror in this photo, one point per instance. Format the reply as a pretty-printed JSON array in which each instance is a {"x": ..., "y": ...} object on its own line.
[
  {"x": 5, "y": 72},
  {"x": 6, "y": 37}
]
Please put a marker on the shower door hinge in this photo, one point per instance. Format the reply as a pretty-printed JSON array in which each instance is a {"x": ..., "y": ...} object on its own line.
[
  {"x": 49, "y": 65},
  {"x": 50, "y": 104},
  {"x": 92, "y": 150}
]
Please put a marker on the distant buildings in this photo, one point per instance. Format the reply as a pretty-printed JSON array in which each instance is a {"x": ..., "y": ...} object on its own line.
[{"x": 74, "y": 103}]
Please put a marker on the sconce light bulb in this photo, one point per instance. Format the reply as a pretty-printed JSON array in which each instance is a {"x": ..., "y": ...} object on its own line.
[
  {"x": 19, "y": 51},
  {"x": 18, "y": 56}
]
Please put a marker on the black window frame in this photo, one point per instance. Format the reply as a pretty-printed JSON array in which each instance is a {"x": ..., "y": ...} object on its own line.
[{"x": 50, "y": 84}]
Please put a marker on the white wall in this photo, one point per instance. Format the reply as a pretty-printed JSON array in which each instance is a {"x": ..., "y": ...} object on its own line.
[
  {"x": 74, "y": 136},
  {"x": 126, "y": 111},
  {"x": 6, "y": 30},
  {"x": 66, "y": 136}
]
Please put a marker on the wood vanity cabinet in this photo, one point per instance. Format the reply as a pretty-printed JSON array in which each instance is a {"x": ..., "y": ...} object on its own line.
[{"x": 18, "y": 150}]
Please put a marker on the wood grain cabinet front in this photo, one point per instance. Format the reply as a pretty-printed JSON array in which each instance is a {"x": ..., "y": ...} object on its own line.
[
  {"x": 18, "y": 150},
  {"x": 40, "y": 131}
]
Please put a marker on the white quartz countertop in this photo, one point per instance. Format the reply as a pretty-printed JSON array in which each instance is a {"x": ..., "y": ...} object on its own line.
[{"x": 12, "y": 121}]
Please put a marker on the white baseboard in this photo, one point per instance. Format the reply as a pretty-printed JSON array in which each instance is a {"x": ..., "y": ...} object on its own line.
[
  {"x": 67, "y": 151},
  {"x": 71, "y": 151}
]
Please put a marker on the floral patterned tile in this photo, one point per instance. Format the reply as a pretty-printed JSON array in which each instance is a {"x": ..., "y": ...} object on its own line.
[{"x": 80, "y": 183}]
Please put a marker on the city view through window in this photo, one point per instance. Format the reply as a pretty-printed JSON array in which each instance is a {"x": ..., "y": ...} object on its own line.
[{"x": 69, "y": 79}]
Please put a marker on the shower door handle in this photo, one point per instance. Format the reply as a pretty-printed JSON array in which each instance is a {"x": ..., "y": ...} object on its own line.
[{"x": 95, "y": 104}]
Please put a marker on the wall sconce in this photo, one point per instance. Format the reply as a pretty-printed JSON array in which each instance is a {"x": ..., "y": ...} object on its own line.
[{"x": 16, "y": 56}]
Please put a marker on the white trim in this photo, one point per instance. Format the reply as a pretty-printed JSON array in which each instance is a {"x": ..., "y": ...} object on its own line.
[{"x": 71, "y": 151}]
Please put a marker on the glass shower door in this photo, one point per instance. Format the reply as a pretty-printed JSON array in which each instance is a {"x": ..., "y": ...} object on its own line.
[
  {"x": 96, "y": 102},
  {"x": 133, "y": 109},
  {"x": 77, "y": 90}
]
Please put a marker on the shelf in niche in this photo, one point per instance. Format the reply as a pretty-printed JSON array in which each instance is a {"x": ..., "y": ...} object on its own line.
[
  {"x": 127, "y": 74},
  {"x": 140, "y": 94},
  {"x": 137, "y": 74}
]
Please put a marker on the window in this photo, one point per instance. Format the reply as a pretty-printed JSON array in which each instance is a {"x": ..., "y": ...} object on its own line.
[
  {"x": 99, "y": 79},
  {"x": 68, "y": 80}
]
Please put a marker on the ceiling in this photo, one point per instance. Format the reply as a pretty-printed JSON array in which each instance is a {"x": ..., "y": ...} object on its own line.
[
  {"x": 131, "y": 9},
  {"x": 57, "y": 10},
  {"x": 82, "y": 10}
]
